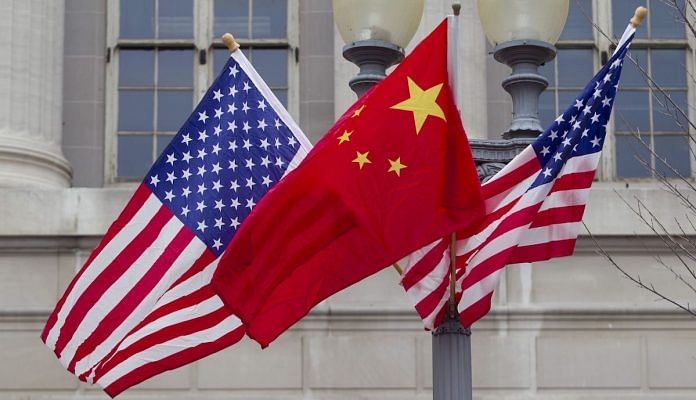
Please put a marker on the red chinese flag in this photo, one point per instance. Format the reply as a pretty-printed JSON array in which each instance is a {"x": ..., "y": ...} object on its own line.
[{"x": 392, "y": 175}]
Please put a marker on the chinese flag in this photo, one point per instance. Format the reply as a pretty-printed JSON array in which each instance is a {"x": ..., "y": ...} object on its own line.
[{"x": 393, "y": 174}]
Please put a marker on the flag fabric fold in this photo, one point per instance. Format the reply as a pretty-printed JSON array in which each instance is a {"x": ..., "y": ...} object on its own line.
[
  {"x": 534, "y": 207},
  {"x": 143, "y": 304},
  {"x": 394, "y": 173}
]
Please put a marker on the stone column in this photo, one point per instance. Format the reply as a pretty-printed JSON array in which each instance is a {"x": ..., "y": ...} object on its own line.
[{"x": 31, "y": 86}]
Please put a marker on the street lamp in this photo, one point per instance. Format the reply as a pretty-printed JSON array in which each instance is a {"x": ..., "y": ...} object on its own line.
[
  {"x": 375, "y": 33},
  {"x": 523, "y": 33}
]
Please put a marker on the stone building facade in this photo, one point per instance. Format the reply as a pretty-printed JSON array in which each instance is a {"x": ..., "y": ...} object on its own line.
[{"x": 568, "y": 329}]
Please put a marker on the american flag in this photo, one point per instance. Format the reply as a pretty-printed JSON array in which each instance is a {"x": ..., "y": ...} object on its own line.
[
  {"x": 142, "y": 303},
  {"x": 534, "y": 207}
]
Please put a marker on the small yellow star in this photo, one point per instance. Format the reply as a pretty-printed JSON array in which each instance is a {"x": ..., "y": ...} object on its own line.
[
  {"x": 362, "y": 159},
  {"x": 345, "y": 137},
  {"x": 357, "y": 111},
  {"x": 421, "y": 103},
  {"x": 396, "y": 166}
]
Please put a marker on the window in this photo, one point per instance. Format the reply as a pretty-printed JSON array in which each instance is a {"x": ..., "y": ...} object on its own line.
[
  {"x": 662, "y": 50},
  {"x": 165, "y": 53}
]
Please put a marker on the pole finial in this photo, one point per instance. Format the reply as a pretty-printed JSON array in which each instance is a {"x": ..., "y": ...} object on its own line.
[
  {"x": 456, "y": 7},
  {"x": 229, "y": 41},
  {"x": 640, "y": 13}
]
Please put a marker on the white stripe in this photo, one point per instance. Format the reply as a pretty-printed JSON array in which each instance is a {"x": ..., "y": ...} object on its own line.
[
  {"x": 137, "y": 224},
  {"x": 585, "y": 163},
  {"x": 527, "y": 154},
  {"x": 188, "y": 286},
  {"x": 416, "y": 256},
  {"x": 549, "y": 233},
  {"x": 429, "y": 321},
  {"x": 118, "y": 290},
  {"x": 166, "y": 349},
  {"x": 478, "y": 291},
  {"x": 630, "y": 29},
  {"x": 501, "y": 200},
  {"x": 566, "y": 198},
  {"x": 430, "y": 281},
  {"x": 187, "y": 257}
]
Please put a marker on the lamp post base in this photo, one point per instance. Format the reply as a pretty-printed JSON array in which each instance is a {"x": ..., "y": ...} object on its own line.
[
  {"x": 373, "y": 57},
  {"x": 451, "y": 361}
]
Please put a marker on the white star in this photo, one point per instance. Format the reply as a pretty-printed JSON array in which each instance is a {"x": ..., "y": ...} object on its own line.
[
  {"x": 202, "y": 136},
  {"x": 247, "y": 144},
  {"x": 231, "y": 108},
  {"x": 234, "y": 185},
  {"x": 292, "y": 141},
  {"x": 262, "y": 124},
  {"x": 596, "y": 84},
  {"x": 202, "y": 188},
  {"x": 606, "y": 102},
  {"x": 201, "y": 170},
  {"x": 587, "y": 109},
  {"x": 584, "y": 133},
  {"x": 607, "y": 78},
  {"x": 217, "y": 185},
  {"x": 267, "y": 181},
  {"x": 547, "y": 172},
  {"x": 245, "y": 107},
  {"x": 203, "y": 116},
  {"x": 201, "y": 226},
  {"x": 218, "y": 223},
  {"x": 217, "y": 244},
  {"x": 557, "y": 156},
  {"x": 217, "y": 130},
  {"x": 234, "y": 223},
  {"x": 250, "y": 163},
  {"x": 233, "y": 165},
  {"x": 565, "y": 133},
  {"x": 265, "y": 161},
  {"x": 545, "y": 150},
  {"x": 201, "y": 154},
  {"x": 576, "y": 125},
  {"x": 246, "y": 87},
  {"x": 186, "y": 192},
  {"x": 232, "y": 126},
  {"x": 200, "y": 206},
  {"x": 235, "y": 203},
  {"x": 154, "y": 180},
  {"x": 262, "y": 105},
  {"x": 170, "y": 177},
  {"x": 279, "y": 162},
  {"x": 277, "y": 123},
  {"x": 277, "y": 143},
  {"x": 216, "y": 149},
  {"x": 185, "y": 139},
  {"x": 264, "y": 144},
  {"x": 233, "y": 71},
  {"x": 233, "y": 91},
  {"x": 553, "y": 135},
  {"x": 186, "y": 174},
  {"x": 185, "y": 210},
  {"x": 578, "y": 104},
  {"x": 566, "y": 142},
  {"x": 169, "y": 195},
  {"x": 597, "y": 93},
  {"x": 217, "y": 94},
  {"x": 232, "y": 146},
  {"x": 216, "y": 168},
  {"x": 187, "y": 156},
  {"x": 559, "y": 119},
  {"x": 595, "y": 118},
  {"x": 573, "y": 118},
  {"x": 595, "y": 141},
  {"x": 616, "y": 63},
  {"x": 575, "y": 148},
  {"x": 219, "y": 205},
  {"x": 246, "y": 127},
  {"x": 250, "y": 203},
  {"x": 218, "y": 113},
  {"x": 170, "y": 159},
  {"x": 250, "y": 183}
]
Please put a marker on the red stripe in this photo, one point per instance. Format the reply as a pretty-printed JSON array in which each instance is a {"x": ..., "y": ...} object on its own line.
[
  {"x": 167, "y": 333},
  {"x": 579, "y": 180},
  {"x": 135, "y": 295},
  {"x": 512, "y": 179},
  {"x": 476, "y": 311},
  {"x": 183, "y": 357},
  {"x": 558, "y": 215},
  {"x": 425, "y": 265},
  {"x": 543, "y": 251},
  {"x": 110, "y": 274},
  {"x": 428, "y": 304},
  {"x": 203, "y": 261},
  {"x": 135, "y": 203},
  {"x": 487, "y": 267}
]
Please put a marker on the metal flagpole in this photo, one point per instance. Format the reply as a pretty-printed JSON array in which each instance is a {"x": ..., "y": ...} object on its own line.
[{"x": 451, "y": 341}]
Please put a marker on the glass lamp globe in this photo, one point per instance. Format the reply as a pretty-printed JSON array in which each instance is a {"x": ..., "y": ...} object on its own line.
[
  {"x": 394, "y": 21},
  {"x": 505, "y": 20}
]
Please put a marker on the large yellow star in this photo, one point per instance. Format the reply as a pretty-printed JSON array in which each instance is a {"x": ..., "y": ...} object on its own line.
[
  {"x": 396, "y": 166},
  {"x": 421, "y": 103},
  {"x": 362, "y": 159},
  {"x": 345, "y": 137}
]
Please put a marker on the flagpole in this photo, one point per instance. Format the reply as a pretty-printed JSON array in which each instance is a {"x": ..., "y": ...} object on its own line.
[{"x": 452, "y": 341}]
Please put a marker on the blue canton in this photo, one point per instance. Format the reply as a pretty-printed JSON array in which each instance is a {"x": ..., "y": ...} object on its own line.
[
  {"x": 232, "y": 149},
  {"x": 581, "y": 129}
]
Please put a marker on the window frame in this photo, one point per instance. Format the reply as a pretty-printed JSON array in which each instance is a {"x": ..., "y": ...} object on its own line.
[{"x": 203, "y": 74}]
